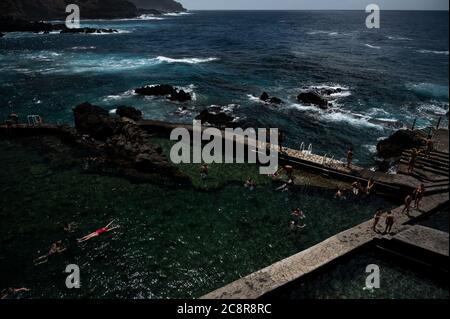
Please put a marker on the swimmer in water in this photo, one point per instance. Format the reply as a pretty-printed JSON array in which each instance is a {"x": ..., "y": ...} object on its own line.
[
  {"x": 297, "y": 212},
  {"x": 11, "y": 292},
  {"x": 370, "y": 186},
  {"x": 285, "y": 186},
  {"x": 56, "y": 248},
  {"x": 340, "y": 194},
  {"x": 204, "y": 171},
  {"x": 250, "y": 183},
  {"x": 99, "y": 232},
  {"x": 356, "y": 186}
]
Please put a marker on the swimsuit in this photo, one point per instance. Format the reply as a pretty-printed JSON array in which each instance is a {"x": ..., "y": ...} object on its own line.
[{"x": 101, "y": 231}]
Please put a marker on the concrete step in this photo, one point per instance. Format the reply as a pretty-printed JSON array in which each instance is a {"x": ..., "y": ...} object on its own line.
[
  {"x": 431, "y": 159},
  {"x": 432, "y": 169}
]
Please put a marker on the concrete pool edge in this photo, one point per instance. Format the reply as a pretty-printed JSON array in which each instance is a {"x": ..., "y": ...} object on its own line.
[{"x": 283, "y": 272}]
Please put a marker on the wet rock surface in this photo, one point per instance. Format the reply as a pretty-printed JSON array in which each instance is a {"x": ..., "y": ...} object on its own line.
[
  {"x": 122, "y": 146},
  {"x": 399, "y": 142},
  {"x": 164, "y": 90}
]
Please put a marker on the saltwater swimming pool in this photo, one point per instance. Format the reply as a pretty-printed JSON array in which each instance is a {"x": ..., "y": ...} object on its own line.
[{"x": 173, "y": 242}]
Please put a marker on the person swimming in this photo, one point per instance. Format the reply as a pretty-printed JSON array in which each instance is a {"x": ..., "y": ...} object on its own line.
[
  {"x": 356, "y": 187},
  {"x": 340, "y": 194},
  {"x": 99, "y": 232},
  {"x": 298, "y": 213},
  {"x": 55, "y": 248},
  {"x": 370, "y": 186},
  {"x": 285, "y": 187},
  {"x": 11, "y": 292},
  {"x": 250, "y": 183},
  {"x": 204, "y": 171}
]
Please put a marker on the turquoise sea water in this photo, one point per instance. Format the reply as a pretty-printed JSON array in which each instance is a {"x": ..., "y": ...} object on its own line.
[{"x": 395, "y": 73}]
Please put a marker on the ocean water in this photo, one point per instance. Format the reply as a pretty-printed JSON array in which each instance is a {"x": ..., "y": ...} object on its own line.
[{"x": 389, "y": 76}]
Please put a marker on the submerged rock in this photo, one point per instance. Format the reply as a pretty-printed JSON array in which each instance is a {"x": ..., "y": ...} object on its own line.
[
  {"x": 313, "y": 98},
  {"x": 220, "y": 119},
  {"x": 399, "y": 142},
  {"x": 180, "y": 96},
  {"x": 266, "y": 98},
  {"x": 88, "y": 30},
  {"x": 8, "y": 24},
  {"x": 129, "y": 112},
  {"x": 156, "y": 90},
  {"x": 165, "y": 90}
]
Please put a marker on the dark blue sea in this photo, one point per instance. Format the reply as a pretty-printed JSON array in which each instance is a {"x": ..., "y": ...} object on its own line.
[{"x": 389, "y": 76}]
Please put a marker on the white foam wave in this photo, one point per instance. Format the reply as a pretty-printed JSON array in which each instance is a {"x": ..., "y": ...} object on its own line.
[
  {"x": 303, "y": 108},
  {"x": 255, "y": 99},
  {"x": 352, "y": 119},
  {"x": 377, "y": 112},
  {"x": 394, "y": 38},
  {"x": 429, "y": 90},
  {"x": 433, "y": 52},
  {"x": 330, "y": 33},
  {"x": 177, "y": 14},
  {"x": 148, "y": 17},
  {"x": 120, "y": 96},
  {"x": 434, "y": 108},
  {"x": 185, "y": 60},
  {"x": 372, "y": 46},
  {"x": 371, "y": 148},
  {"x": 81, "y": 48}
]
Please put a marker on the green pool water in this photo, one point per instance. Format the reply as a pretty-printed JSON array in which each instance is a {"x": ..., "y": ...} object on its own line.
[
  {"x": 346, "y": 279},
  {"x": 174, "y": 242}
]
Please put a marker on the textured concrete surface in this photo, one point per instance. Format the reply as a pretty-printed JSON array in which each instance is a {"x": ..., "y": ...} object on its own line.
[{"x": 427, "y": 238}]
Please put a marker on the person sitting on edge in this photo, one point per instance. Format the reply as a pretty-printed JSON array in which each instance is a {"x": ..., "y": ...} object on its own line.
[{"x": 390, "y": 220}]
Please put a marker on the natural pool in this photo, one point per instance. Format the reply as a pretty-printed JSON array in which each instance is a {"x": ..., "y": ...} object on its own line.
[
  {"x": 174, "y": 242},
  {"x": 346, "y": 279}
]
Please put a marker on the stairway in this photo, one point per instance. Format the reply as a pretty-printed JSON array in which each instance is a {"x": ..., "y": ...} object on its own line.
[{"x": 433, "y": 170}]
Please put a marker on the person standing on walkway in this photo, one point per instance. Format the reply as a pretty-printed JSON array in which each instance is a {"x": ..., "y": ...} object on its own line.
[
  {"x": 390, "y": 220},
  {"x": 376, "y": 218},
  {"x": 418, "y": 195},
  {"x": 408, "y": 201},
  {"x": 349, "y": 157}
]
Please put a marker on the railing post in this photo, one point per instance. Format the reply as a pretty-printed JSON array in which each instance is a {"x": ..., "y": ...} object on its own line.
[
  {"x": 439, "y": 123},
  {"x": 414, "y": 124}
]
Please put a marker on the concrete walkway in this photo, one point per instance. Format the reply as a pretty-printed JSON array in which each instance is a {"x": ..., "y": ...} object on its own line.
[{"x": 292, "y": 268}]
